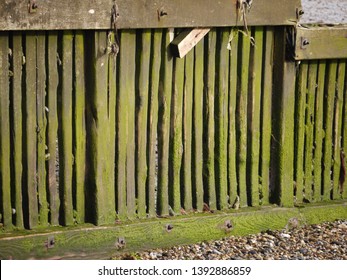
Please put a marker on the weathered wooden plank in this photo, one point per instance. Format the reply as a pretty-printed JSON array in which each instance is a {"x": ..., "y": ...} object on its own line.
[
  {"x": 344, "y": 143},
  {"x": 300, "y": 130},
  {"x": 52, "y": 129},
  {"x": 129, "y": 40},
  {"x": 65, "y": 133},
  {"x": 186, "y": 40},
  {"x": 309, "y": 128},
  {"x": 5, "y": 169},
  {"x": 337, "y": 133},
  {"x": 232, "y": 137},
  {"x": 222, "y": 94},
  {"x": 243, "y": 69},
  {"x": 101, "y": 242},
  {"x": 153, "y": 121},
  {"x": 30, "y": 115},
  {"x": 328, "y": 127},
  {"x": 266, "y": 128},
  {"x": 41, "y": 126},
  {"x": 321, "y": 42},
  {"x": 254, "y": 114},
  {"x": 81, "y": 14},
  {"x": 165, "y": 92},
  {"x": 80, "y": 128},
  {"x": 102, "y": 165},
  {"x": 17, "y": 133},
  {"x": 141, "y": 121},
  {"x": 187, "y": 131},
  {"x": 319, "y": 133},
  {"x": 198, "y": 190},
  {"x": 176, "y": 145},
  {"x": 283, "y": 116},
  {"x": 209, "y": 121}
]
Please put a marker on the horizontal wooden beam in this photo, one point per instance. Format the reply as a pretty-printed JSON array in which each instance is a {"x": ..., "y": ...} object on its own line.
[
  {"x": 321, "y": 42},
  {"x": 90, "y": 242},
  {"x": 96, "y": 14}
]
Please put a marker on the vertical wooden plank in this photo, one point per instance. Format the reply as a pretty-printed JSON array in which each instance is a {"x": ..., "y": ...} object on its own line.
[
  {"x": 129, "y": 40},
  {"x": 79, "y": 128},
  {"x": 209, "y": 130},
  {"x": 176, "y": 145},
  {"x": 283, "y": 118},
  {"x": 222, "y": 119},
  {"x": 141, "y": 121},
  {"x": 30, "y": 116},
  {"x": 328, "y": 127},
  {"x": 17, "y": 52},
  {"x": 102, "y": 165},
  {"x": 300, "y": 130},
  {"x": 232, "y": 141},
  {"x": 266, "y": 128},
  {"x": 41, "y": 126},
  {"x": 319, "y": 133},
  {"x": 65, "y": 140},
  {"x": 344, "y": 185},
  {"x": 310, "y": 100},
  {"x": 243, "y": 65},
  {"x": 5, "y": 171},
  {"x": 165, "y": 91},
  {"x": 153, "y": 121},
  {"x": 254, "y": 114},
  {"x": 338, "y": 119},
  {"x": 52, "y": 129},
  {"x": 187, "y": 131},
  {"x": 198, "y": 189}
]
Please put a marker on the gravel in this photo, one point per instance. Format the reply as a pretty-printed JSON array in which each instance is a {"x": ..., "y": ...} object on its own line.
[
  {"x": 324, "y": 11},
  {"x": 326, "y": 241}
]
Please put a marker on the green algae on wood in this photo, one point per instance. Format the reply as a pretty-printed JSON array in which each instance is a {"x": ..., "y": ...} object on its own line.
[
  {"x": 198, "y": 189},
  {"x": 254, "y": 115},
  {"x": 300, "y": 111},
  {"x": 141, "y": 121},
  {"x": 52, "y": 123},
  {"x": 176, "y": 145},
  {"x": 5, "y": 171},
  {"x": 41, "y": 126},
  {"x": 221, "y": 142},
  {"x": 65, "y": 131},
  {"x": 30, "y": 189},
  {"x": 319, "y": 133},
  {"x": 187, "y": 131},
  {"x": 165, "y": 92},
  {"x": 79, "y": 127},
  {"x": 17, "y": 133},
  {"x": 243, "y": 64},
  {"x": 309, "y": 128},
  {"x": 153, "y": 120},
  {"x": 232, "y": 169},
  {"x": 330, "y": 88},
  {"x": 266, "y": 125}
]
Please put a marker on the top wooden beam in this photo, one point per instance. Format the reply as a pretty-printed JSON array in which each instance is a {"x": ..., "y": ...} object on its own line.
[{"x": 96, "y": 14}]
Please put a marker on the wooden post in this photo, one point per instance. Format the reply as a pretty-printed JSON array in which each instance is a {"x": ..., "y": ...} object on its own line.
[
  {"x": 266, "y": 125},
  {"x": 17, "y": 132},
  {"x": 300, "y": 111},
  {"x": 52, "y": 129},
  {"x": 153, "y": 121},
  {"x": 141, "y": 121},
  {"x": 198, "y": 190},
  {"x": 232, "y": 137},
  {"x": 5, "y": 174},
  {"x": 283, "y": 120}
]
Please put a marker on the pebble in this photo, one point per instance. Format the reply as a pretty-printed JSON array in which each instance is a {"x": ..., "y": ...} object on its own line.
[{"x": 326, "y": 241}]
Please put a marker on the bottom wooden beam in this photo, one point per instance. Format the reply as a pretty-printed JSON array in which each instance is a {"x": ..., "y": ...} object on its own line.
[{"x": 91, "y": 242}]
